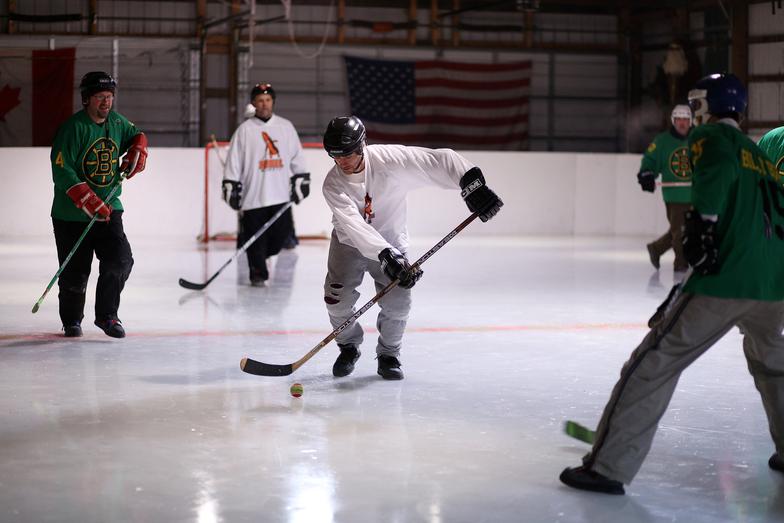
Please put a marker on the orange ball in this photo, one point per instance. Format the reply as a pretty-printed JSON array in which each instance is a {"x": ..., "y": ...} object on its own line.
[{"x": 296, "y": 390}]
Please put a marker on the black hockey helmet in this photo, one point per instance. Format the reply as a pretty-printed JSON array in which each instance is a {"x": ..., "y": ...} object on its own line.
[
  {"x": 344, "y": 135},
  {"x": 262, "y": 88},
  {"x": 95, "y": 82}
]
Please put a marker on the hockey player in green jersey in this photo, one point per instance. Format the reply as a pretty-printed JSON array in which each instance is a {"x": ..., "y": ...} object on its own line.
[
  {"x": 733, "y": 236},
  {"x": 773, "y": 145},
  {"x": 666, "y": 156},
  {"x": 86, "y": 165}
]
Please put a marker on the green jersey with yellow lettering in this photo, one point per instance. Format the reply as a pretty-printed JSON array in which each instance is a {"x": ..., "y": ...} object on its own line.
[
  {"x": 735, "y": 180},
  {"x": 84, "y": 151},
  {"x": 667, "y": 156},
  {"x": 773, "y": 145}
]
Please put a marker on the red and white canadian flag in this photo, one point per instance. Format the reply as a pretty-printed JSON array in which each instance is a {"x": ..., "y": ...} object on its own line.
[{"x": 36, "y": 94}]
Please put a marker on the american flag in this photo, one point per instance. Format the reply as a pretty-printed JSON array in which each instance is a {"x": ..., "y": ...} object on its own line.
[{"x": 441, "y": 104}]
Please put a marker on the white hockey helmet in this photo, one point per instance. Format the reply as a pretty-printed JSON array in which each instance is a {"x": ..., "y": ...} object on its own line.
[{"x": 681, "y": 111}]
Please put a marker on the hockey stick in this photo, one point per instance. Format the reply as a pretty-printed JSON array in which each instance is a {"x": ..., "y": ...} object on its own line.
[
  {"x": 199, "y": 286},
  {"x": 664, "y": 308},
  {"x": 258, "y": 368},
  {"x": 580, "y": 432},
  {"x": 79, "y": 241},
  {"x": 216, "y": 146}
]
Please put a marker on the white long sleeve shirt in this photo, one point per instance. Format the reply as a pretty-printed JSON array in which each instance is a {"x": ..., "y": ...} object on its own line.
[
  {"x": 369, "y": 208},
  {"x": 264, "y": 156}
]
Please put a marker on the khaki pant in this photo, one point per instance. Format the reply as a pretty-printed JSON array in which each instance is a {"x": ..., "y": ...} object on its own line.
[
  {"x": 673, "y": 239},
  {"x": 649, "y": 377},
  {"x": 346, "y": 267}
]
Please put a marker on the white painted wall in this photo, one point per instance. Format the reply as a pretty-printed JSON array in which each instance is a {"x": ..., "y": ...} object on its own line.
[{"x": 544, "y": 194}]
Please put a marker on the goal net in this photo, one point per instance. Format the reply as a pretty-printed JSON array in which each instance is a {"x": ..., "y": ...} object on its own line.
[
  {"x": 313, "y": 220},
  {"x": 220, "y": 220}
]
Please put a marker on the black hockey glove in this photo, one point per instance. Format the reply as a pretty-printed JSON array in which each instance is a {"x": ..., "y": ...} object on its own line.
[
  {"x": 647, "y": 180},
  {"x": 232, "y": 193},
  {"x": 300, "y": 187},
  {"x": 478, "y": 196},
  {"x": 396, "y": 266},
  {"x": 700, "y": 244}
]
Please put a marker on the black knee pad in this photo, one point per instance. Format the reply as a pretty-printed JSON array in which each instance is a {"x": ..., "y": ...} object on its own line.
[
  {"x": 76, "y": 285},
  {"x": 120, "y": 269}
]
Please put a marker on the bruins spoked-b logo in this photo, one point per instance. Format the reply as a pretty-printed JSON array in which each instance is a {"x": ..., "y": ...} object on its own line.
[
  {"x": 679, "y": 163},
  {"x": 99, "y": 162}
]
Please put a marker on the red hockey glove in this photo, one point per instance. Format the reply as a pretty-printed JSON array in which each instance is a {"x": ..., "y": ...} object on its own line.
[
  {"x": 86, "y": 200},
  {"x": 136, "y": 156}
]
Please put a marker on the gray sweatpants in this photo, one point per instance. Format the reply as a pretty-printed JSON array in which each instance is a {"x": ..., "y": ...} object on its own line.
[
  {"x": 649, "y": 377},
  {"x": 346, "y": 268}
]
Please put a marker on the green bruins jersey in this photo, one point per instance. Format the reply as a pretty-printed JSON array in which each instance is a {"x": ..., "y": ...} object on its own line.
[
  {"x": 773, "y": 145},
  {"x": 667, "y": 156},
  {"x": 84, "y": 151},
  {"x": 736, "y": 181}
]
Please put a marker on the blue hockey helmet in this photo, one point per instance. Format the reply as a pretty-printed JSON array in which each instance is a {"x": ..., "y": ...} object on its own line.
[{"x": 717, "y": 94}]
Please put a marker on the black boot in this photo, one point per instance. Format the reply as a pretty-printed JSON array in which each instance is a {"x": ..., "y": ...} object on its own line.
[
  {"x": 586, "y": 479},
  {"x": 72, "y": 330},
  {"x": 111, "y": 328},
  {"x": 776, "y": 462},
  {"x": 653, "y": 256},
  {"x": 344, "y": 365},
  {"x": 389, "y": 368}
]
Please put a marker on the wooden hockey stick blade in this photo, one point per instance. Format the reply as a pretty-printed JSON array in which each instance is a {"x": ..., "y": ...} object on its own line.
[
  {"x": 265, "y": 369},
  {"x": 580, "y": 432},
  {"x": 192, "y": 286}
]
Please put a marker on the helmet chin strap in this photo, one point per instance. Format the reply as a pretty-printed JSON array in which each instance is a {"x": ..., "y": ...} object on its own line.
[{"x": 361, "y": 164}]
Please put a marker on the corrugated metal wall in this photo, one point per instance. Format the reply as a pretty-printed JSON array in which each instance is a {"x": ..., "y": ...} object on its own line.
[
  {"x": 766, "y": 95},
  {"x": 578, "y": 100}
]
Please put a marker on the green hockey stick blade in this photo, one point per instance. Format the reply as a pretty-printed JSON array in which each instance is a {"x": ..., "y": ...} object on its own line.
[{"x": 580, "y": 432}]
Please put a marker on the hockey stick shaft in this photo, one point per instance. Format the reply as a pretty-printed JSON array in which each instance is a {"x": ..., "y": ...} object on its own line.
[
  {"x": 76, "y": 245},
  {"x": 216, "y": 146},
  {"x": 199, "y": 286},
  {"x": 264, "y": 369},
  {"x": 664, "y": 308}
]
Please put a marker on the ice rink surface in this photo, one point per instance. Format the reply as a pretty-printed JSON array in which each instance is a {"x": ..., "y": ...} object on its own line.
[{"x": 508, "y": 338}]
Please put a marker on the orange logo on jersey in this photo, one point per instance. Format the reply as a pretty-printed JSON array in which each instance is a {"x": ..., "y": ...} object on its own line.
[
  {"x": 780, "y": 166},
  {"x": 679, "y": 163},
  {"x": 369, "y": 214},
  {"x": 272, "y": 156}
]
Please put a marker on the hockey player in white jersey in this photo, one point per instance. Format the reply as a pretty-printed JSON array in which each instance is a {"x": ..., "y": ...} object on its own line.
[
  {"x": 366, "y": 191},
  {"x": 265, "y": 169}
]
